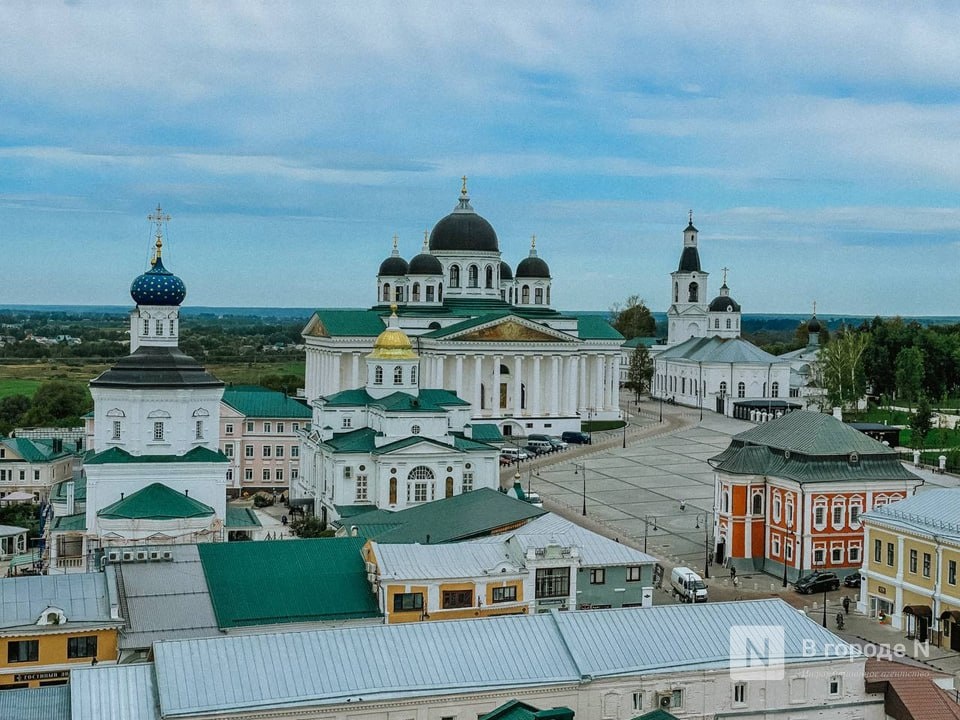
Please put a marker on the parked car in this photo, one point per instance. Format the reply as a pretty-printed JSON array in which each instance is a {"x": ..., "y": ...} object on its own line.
[
  {"x": 505, "y": 460},
  {"x": 557, "y": 443},
  {"x": 535, "y": 449},
  {"x": 852, "y": 581},
  {"x": 541, "y": 443},
  {"x": 575, "y": 437},
  {"x": 817, "y": 582},
  {"x": 514, "y": 453}
]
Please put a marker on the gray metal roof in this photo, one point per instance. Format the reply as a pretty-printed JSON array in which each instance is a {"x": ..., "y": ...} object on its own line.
[
  {"x": 295, "y": 669},
  {"x": 166, "y": 600},
  {"x": 934, "y": 511},
  {"x": 82, "y": 597},
  {"x": 9, "y": 530},
  {"x": 719, "y": 350},
  {"x": 456, "y": 560},
  {"x": 117, "y": 692},
  {"x": 45, "y": 703}
]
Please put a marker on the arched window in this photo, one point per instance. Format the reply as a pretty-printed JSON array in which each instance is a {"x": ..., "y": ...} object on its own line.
[
  {"x": 489, "y": 277},
  {"x": 723, "y": 388},
  {"x": 511, "y": 296},
  {"x": 694, "y": 292},
  {"x": 454, "y": 276},
  {"x": 393, "y": 491},
  {"x": 420, "y": 488},
  {"x": 548, "y": 294},
  {"x": 416, "y": 292},
  {"x": 676, "y": 292},
  {"x": 758, "y": 504},
  {"x": 716, "y": 323},
  {"x": 538, "y": 296},
  {"x": 741, "y": 390},
  {"x": 413, "y": 375},
  {"x": 440, "y": 292},
  {"x": 429, "y": 289},
  {"x": 473, "y": 275},
  {"x": 525, "y": 295},
  {"x": 398, "y": 375},
  {"x": 386, "y": 292},
  {"x": 378, "y": 375},
  {"x": 399, "y": 293},
  {"x": 775, "y": 389}
]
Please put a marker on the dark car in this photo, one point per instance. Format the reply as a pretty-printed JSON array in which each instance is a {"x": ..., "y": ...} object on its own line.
[
  {"x": 852, "y": 581},
  {"x": 817, "y": 582},
  {"x": 575, "y": 438}
]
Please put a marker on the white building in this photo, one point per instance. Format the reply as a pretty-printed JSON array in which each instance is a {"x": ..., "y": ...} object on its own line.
[
  {"x": 482, "y": 331},
  {"x": 391, "y": 444}
]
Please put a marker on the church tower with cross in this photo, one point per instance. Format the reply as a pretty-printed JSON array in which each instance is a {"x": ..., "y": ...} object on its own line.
[{"x": 687, "y": 314}]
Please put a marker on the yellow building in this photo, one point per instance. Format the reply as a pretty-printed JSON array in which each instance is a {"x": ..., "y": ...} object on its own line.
[
  {"x": 912, "y": 550},
  {"x": 50, "y": 624}
]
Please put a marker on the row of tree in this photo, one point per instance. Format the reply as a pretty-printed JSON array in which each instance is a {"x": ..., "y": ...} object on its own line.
[{"x": 56, "y": 403}]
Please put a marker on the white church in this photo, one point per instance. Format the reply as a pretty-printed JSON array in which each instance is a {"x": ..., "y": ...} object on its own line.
[{"x": 705, "y": 362}]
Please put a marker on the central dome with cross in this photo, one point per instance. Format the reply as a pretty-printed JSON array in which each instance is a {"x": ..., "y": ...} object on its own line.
[{"x": 464, "y": 230}]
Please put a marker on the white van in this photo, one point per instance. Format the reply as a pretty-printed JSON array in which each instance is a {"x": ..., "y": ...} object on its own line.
[
  {"x": 687, "y": 585},
  {"x": 513, "y": 453}
]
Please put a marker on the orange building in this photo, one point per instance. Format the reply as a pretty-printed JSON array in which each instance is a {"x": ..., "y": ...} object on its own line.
[{"x": 790, "y": 493}]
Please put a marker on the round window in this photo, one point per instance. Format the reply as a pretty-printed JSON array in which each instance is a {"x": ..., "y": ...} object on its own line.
[
  {"x": 393, "y": 471},
  {"x": 449, "y": 469},
  {"x": 415, "y": 430},
  {"x": 467, "y": 466},
  {"x": 362, "y": 468}
]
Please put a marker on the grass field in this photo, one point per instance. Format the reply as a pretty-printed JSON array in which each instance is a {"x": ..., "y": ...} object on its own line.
[{"x": 17, "y": 386}]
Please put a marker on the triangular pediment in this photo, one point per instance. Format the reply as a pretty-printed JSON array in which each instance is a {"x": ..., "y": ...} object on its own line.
[
  {"x": 416, "y": 447},
  {"x": 315, "y": 328},
  {"x": 511, "y": 329}
]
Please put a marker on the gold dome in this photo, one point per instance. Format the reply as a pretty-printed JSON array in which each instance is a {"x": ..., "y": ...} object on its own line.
[{"x": 393, "y": 343}]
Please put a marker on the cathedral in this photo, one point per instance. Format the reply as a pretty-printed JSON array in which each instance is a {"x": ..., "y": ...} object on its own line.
[
  {"x": 705, "y": 362},
  {"x": 488, "y": 332}
]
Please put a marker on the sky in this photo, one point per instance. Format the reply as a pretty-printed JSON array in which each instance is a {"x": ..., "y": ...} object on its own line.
[{"x": 817, "y": 144}]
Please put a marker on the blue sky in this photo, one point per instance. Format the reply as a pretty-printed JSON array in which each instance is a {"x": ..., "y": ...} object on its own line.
[{"x": 817, "y": 144}]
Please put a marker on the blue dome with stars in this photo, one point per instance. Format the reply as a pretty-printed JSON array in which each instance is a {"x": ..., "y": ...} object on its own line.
[{"x": 158, "y": 286}]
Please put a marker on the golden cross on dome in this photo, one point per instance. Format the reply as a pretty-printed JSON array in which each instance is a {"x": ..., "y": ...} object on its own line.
[
  {"x": 533, "y": 242},
  {"x": 395, "y": 239},
  {"x": 725, "y": 271},
  {"x": 463, "y": 189},
  {"x": 159, "y": 217}
]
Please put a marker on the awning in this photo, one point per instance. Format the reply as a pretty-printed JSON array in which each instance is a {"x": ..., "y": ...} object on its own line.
[
  {"x": 920, "y": 611},
  {"x": 950, "y": 615}
]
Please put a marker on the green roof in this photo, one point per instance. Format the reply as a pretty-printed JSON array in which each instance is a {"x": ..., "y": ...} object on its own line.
[
  {"x": 596, "y": 327},
  {"x": 199, "y": 454},
  {"x": 517, "y": 710},
  {"x": 636, "y": 342},
  {"x": 657, "y": 714},
  {"x": 363, "y": 440},
  {"x": 259, "y": 402},
  {"x": 59, "y": 493},
  {"x": 240, "y": 517},
  {"x": 351, "y": 323},
  {"x": 467, "y": 515},
  {"x": 427, "y": 401},
  {"x": 34, "y": 451},
  {"x": 810, "y": 447},
  {"x": 469, "y": 323},
  {"x": 70, "y": 523},
  {"x": 486, "y": 432},
  {"x": 156, "y": 502},
  {"x": 349, "y": 511},
  {"x": 288, "y": 581}
]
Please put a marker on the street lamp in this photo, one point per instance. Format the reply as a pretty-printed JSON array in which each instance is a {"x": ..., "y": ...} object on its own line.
[
  {"x": 576, "y": 468},
  {"x": 786, "y": 539},
  {"x": 706, "y": 543},
  {"x": 646, "y": 522},
  {"x": 626, "y": 421}
]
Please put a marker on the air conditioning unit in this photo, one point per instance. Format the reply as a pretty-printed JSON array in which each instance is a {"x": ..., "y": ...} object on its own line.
[
  {"x": 127, "y": 556},
  {"x": 113, "y": 556},
  {"x": 154, "y": 554},
  {"x": 141, "y": 555},
  {"x": 167, "y": 555},
  {"x": 664, "y": 700}
]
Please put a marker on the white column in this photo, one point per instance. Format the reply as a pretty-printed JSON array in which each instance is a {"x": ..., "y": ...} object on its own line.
[
  {"x": 429, "y": 370},
  {"x": 477, "y": 383},
  {"x": 336, "y": 372},
  {"x": 495, "y": 404},
  {"x": 612, "y": 382},
  {"x": 597, "y": 401},
  {"x": 571, "y": 402},
  {"x": 555, "y": 385},
  {"x": 459, "y": 377},
  {"x": 535, "y": 390},
  {"x": 355, "y": 370},
  {"x": 518, "y": 386},
  {"x": 583, "y": 367}
]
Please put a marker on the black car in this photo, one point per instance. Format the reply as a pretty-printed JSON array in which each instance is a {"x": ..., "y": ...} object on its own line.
[
  {"x": 817, "y": 582},
  {"x": 575, "y": 438},
  {"x": 852, "y": 581}
]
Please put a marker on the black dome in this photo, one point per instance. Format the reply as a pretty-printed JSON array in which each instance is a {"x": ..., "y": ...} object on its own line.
[
  {"x": 464, "y": 231},
  {"x": 724, "y": 303},
  {"x": 813, "y": 325},
  {"x": 506, "y": 272},
  {"x": 533, "y": 267},
  {"x": 425, "y": 264},
  {"x": 689, "y": 260},
  {"x": 393, "y": 266}
]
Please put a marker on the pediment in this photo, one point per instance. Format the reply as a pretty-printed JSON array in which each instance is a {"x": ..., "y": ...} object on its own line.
[
  {"x": 315, "y": 328},
  {"x": 512, "y": 329},
  {"x": 424, "y": 447}
]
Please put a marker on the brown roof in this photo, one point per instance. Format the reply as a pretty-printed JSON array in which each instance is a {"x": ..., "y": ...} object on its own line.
[{"x": 909, "y": 691}]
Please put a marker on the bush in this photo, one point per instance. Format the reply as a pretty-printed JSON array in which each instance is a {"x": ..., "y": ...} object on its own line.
[{"x": 262, "y": 500}]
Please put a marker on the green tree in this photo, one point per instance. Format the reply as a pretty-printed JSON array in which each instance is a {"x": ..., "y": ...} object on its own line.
[
  {"x": 921, "y": 421},
  {"x": 633, "y": 319},
  {"x": 12, "y": 408},
  {"x": 59, "y": 403},
  {"x": 909, "y": 374},
  {"x": 841, "y": 368},
  {"x": 640, "y": 372},
  {"x": 310, "y": 527}
]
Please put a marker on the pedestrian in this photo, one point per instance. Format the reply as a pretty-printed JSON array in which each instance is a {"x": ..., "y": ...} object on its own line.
[
  {"x": 839, "y": 621},
  {"x": 846, "y": 604},
  {"x": 283, "y": 519},
  {"x": 733, "y": 573}
]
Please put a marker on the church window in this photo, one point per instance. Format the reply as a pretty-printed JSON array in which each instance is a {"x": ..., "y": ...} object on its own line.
[
  {"x": 362, "y": 489},
  {"x": 525, "y": 295},
  {"x": 417, "y": 485},
  {"x": 467, "y": 482},
  {"x": 229, "y": 475},
  {"x": 694, "y": 292},
  {"x": 440, "y": 292},
  {"x": 489, "y": 277},
  {"x": 378, "y": 375},
  {"x": 399, "y": 293},
  {"x": 723, "y": 388},
  {"x": 473, "y": 276},
  {"x": 116, "y": 429},
  {"x": 158, "y": 430},
  {"x": 416, "y": 292},
  {"x": 548, "y": 294},
  {"x": 728, "y": 323},
  {"x": 146, "y": 327},
  {"x": 503, "y": 294},
  {"x": 386, "y": 292},
  {"x": 414, "y": 429},
  {"x": 758, "y": 504},
  {"x": 413, "y": 375},
  {"x": 198, "y": 430},
  {"x": 741, "y": 390},
  {"x": 538, "y": 296},
  {"x": 393, "y": 491},
  {"x": 683, "y": 386},
  {"x": 448, "y": 487},
  {"x": 454, "y": 276},
  {"x": 716, "y": 323},
  {"x": 429, "y": 290},
  {"x": 775, "y": 389},
  {"x": 676, "y": 292},
  {"x": 159, "y": 328},
  {"x": 398, "y": 375}
]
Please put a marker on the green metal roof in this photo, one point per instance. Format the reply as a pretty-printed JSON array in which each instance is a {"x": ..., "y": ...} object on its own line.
[
  {"x": 199, "y": 454},
  {"x": 363, "y": 440},
  {"x": 259, "y": 402},
  {"x": 59, "y": 493},
  {"x": 70, "y": 523},
  {"x": 33, "y": 451},
  {"x": 348, "y": 511},
  {"x": 240, "y": 517},
  {"x": 517, "y": 710},
  {"x": 287, "y": 581},
  {"x": 156, "y": 502},
  {"x": 486, "y": 432},
  {"x": 810, "y": 447},
  {"x": 636, "y": 342},
  {"x": 596, "y": 327},
  {"x": 471, "y": 514},
  {"x": 351, "y": 323},
  {"x": 355, "y": 441},
  {"x": 469, "y": 323},
  {"x": 427, "y": 401}
]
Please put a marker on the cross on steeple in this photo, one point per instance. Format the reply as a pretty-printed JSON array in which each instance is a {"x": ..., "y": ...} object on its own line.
[
  {"x": 463, "y": 189},
  {"x": 725, "y": 271},
  {"x": 158, "y": 217},
  {"x": 814, "y": 307},
  {"x": 690, "y": 215}
]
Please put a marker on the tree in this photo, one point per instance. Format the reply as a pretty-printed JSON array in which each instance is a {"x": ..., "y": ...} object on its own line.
[
  {"x": 909, "y": 374},
  {"x": 841, "y": 368},
  {"x": 60, "y": 403},
  {"x": 310, "y": 527},
  {"x": 633, "y": 319},
  {"x": 12, "y": 408},
  {"x": 640, "y": 372},
  {"x": 921, "y": 421}
]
